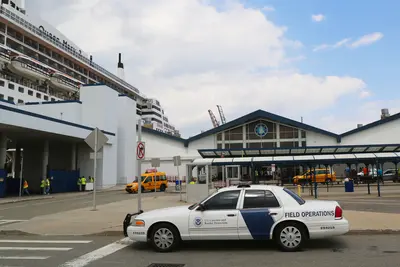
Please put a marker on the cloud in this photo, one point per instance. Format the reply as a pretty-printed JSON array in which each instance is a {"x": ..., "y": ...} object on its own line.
[
  {"x": 268, "y": 8},
  {"x": 318, "y": 18},
  {"x": 367, "y": 39},
  {"x": 192, "y": 56},
  {"x": 362, "y": 41}
]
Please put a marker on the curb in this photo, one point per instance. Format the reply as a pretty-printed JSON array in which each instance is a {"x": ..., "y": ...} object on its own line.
[
  {"x": 25, "y": 200},
  {"x": 120, "y": 233}
]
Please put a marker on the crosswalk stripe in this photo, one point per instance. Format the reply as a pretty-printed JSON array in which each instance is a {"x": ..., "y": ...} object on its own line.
[
  {"x": 35, "y": 248},
  {"x": 23, "y": 258},
  {"x": 46, "y": 241}
]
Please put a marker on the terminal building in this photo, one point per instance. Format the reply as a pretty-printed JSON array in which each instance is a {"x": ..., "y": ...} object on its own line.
[{"x": 47, "y": 138}]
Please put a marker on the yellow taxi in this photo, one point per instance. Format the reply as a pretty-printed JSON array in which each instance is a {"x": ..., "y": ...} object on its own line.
[
  {"x": 150, "y": 180},
  {"x": 321, "y": 176}
]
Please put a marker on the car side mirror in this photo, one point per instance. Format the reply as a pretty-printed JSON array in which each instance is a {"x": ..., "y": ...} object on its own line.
[{"x": 201, "y": 207}]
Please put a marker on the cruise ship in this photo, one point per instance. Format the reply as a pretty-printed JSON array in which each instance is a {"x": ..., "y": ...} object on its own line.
[{"x": 38, "y": 63}]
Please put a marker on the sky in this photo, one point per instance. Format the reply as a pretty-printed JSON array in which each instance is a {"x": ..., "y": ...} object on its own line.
[{"x": 332, "y": 62}]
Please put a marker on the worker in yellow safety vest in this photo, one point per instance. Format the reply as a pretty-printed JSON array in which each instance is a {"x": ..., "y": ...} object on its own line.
[
  {"x": 25, "y": 188},
  {"x": 79, "y": 183},
  {"x": 43, "y": 186},
  {"x": 83, "y": 183},
  {"x": 192, "y": 181},
  {"x": 47, "y": 184}
]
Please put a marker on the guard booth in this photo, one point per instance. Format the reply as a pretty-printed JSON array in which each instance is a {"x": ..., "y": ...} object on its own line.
[
  {"x": 198, "y": 180},
  {"x": 232, "y": 174}
]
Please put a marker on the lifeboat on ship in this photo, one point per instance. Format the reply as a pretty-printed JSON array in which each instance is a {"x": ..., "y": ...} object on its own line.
[
  {"x": 64, "y": 82},
  {"x": 28, "y": 67}
]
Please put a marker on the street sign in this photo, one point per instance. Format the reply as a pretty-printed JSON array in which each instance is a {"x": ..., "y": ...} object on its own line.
[
  {"x": 155, "y": 162},
  {"x": 140, "y": 150},
  {"x": 177, "y": 161},
  {"x": 101, "y": 139}
]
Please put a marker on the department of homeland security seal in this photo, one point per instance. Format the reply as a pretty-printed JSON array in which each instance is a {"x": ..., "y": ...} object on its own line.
[
  {"x": 198, "y": 221},
  {"x": 261, "y": 130}
]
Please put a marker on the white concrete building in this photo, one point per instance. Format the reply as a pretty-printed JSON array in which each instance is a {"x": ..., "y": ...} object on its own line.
[{"x": 51, "y": 135}]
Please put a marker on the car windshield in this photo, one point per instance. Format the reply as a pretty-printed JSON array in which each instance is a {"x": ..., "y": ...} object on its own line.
[
  {"x": 142, "y": 179},
  {"x": 195, "y": 204}
]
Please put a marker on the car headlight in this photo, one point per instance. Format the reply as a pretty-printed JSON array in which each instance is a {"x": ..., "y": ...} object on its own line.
[{"x": 138, "y": 223}]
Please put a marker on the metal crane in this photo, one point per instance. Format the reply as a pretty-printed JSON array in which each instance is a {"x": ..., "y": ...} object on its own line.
[
  {"x": 213, "y": 118},
  {"x": 221, "y": 114}
]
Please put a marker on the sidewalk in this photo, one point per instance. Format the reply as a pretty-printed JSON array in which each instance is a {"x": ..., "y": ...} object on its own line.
[
  {"x": 40, "y": 197},
  {"x": 107, "y": 220}
]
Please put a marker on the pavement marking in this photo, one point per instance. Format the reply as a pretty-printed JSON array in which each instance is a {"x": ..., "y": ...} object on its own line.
[
  {"x": 23, "y": 258},
  {"x": 47, "y": 241},
  {"x": 98, "y": 254},
  {"x": 35, "y": 248},
  {"x": 11, "y": 221}
]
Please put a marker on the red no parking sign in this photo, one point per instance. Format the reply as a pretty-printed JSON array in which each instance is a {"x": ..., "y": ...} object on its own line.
[{"x": 140, "y": 150}]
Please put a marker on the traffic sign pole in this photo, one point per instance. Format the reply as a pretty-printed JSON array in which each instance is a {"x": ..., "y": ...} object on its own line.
[
  {"x": 139, "y": 166},
  {"x": 96, "y": 137}
]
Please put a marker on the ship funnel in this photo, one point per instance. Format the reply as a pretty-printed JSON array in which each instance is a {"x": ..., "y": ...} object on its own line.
[
  {"x": 22, "y": 4},
  {"x": 120, "y": 68}
]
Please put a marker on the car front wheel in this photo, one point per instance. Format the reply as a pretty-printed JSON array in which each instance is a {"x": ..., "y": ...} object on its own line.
[
  {"x": 290, "y": 237},
  {"x": 164, "y": 238}
]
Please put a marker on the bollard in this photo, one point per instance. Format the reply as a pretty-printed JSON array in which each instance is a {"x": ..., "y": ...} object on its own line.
[
  {"x": 327, "y": 187},
  {"x": 302, "y": 188},
  {"x": 369, "y": 190},
  {"x": 379, "y": 188},
  {"x": 299, "y": 190},
  {"x": 315, "y": 188}
]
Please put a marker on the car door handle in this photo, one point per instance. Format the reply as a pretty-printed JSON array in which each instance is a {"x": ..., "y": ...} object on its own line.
[
  {"x": 273, "y": 213},
  {"x": 231, "y": 215}
]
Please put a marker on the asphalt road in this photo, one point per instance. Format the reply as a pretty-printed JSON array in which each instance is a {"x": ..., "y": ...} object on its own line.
[
  {"x": 349, "y": 251},
  {"x": 29, "y": 209},
  {"x": 366, "y": 251}
]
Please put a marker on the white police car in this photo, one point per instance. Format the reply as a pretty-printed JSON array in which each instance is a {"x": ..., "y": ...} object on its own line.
[{"x": 244, "y": 212}]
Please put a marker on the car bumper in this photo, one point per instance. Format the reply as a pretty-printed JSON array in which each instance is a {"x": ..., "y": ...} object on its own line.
[
  {"x": 127, "y": 221},
  {"x": 137, "y": 233},
  {"x": 130, "y": 190},
  {"x": 328, "y": 229}
]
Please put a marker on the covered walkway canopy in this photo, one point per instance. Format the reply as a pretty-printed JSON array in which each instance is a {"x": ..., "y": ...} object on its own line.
[{"x": 299, "y": 155}]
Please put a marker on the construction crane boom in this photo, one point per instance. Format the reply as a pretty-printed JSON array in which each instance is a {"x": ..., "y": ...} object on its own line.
[
  {"x": 213, "y": 118},
  {"x": 221, "y": 114}
]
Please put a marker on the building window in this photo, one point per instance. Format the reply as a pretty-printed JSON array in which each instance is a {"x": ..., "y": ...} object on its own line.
[
  {"x": 30, "y": 92},
  {"x": 219, "y": 146},
  {"x": 1, "y": 83},
  {"x": 20, "y": 101},
  {"x": 45, "y": 97},
  {"x": 261, "y": 145},
  {"x": 1, "y": 96},
  {"x": 303, "y": 144},
  {"x": 38, "y": 95},
  {"x": 11, "y": 99},
  {"x": 53, "y": 99},
  {"x": 289, "y": 144},
  {"x": 219, "y": 136},
  {"x": 250, "y": 130},
  {"x": 288, "y": 132},
  {"x": 234, "y": 146},
  {"x": 235, "y": 134},
  {"x": 303, "y": 134},
  {"x": 20, "y": 89},
  {"x": 11, "y": 86}
]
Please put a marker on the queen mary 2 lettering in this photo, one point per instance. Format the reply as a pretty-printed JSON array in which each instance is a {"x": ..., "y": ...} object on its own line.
[{"x": 55, "y": 38}]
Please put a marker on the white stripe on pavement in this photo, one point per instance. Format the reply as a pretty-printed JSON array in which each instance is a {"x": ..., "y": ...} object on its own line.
[
  {"x": 46, "y": 241},
  {"x": 23, "y": 258},
  {"x": 98, "y": 254},
  {"x": 35, "y": 248},
  {"x": 10, "y": 221}
]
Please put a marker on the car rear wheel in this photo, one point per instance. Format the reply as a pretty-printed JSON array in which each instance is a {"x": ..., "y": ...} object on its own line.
[
  {"x": 164, "y": 238},
  {"x": 290, "y": 236}
]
